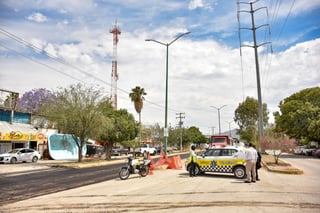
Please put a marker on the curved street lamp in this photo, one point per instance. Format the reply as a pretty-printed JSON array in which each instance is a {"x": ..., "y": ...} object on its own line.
[
  {"x": 166, "y": 132},
  {"x": 218, "y": 108}
]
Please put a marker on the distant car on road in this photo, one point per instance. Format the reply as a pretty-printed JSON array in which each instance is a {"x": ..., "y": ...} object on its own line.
[
  {"x": 93, "y": 149},
  {"x": 118, "y": 150},
  {"x": 20, "y": 155},
  {"x": 298, "y": 150},
  {"x": 316, "y": 153},
  {"x": 308, "y": 150}
]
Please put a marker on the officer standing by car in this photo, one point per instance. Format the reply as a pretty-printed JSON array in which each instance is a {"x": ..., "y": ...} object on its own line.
[
  {"x": 258, "y": 163},
  {"x": 193, "y": 160},
  {"x": 251, "y": 159}
]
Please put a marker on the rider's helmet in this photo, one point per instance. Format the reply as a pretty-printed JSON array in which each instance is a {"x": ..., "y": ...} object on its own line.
[{"x": 193, "y": 147}]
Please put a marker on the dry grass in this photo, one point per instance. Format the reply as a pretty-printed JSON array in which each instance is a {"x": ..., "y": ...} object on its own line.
[
  {"x": 269, "y": 159},
  {"x": 282, "y": 167}
]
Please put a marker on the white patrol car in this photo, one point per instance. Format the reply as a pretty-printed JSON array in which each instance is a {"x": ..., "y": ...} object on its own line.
[{"x": 228, "y": 159}]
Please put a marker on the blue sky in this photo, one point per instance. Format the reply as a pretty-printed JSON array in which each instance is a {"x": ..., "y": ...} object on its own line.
[{"x": 204, "y": 66}]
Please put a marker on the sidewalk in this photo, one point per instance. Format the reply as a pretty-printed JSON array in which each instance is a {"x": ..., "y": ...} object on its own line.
[{"x": 175, "y": 191}]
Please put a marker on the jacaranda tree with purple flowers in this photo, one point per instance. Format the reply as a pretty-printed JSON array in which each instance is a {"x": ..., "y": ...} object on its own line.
[{"x": 32, "y": 101}]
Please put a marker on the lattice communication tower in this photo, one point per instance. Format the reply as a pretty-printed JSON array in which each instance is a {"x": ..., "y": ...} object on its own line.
[{"x": 114, "y": 74}]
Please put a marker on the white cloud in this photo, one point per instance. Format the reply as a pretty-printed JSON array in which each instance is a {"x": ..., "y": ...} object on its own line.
[
  {"x": 201, "y": 74},
  {"x": 203, "y": 71},
  {"x": 37, "y": 17},
  {"x": 194, "y": 4}
]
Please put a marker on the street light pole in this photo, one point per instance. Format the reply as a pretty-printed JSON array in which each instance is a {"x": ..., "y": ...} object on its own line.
[
  {"x": 230, "y": 128},
  {"x": 166, "y": 131},
  {"x": 218, "y": 108}
]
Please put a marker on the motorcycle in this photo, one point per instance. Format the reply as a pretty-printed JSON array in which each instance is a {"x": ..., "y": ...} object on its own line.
[{"x": 134, "y": 166}]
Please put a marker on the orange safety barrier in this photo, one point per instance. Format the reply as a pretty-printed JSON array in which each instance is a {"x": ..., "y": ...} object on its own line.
[
  {"x": 176, "y": 162},
  {"x": 150, "y": 171},
  {"x": 173, "y": 163}
]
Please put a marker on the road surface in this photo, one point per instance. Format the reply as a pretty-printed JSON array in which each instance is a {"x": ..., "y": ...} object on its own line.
[{"x": 175, "y": 191}]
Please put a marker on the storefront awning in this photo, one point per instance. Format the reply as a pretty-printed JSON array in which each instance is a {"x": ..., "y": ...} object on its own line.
[{"x": 19, "y": 132}]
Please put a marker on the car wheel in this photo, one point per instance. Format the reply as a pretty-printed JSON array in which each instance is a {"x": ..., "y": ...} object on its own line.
[
  {"x": 197, "y": 170},
  {"x": 239, "y": 172},
  {"x": 34, "y": 159},
  {"x": 13, "y": 160}
]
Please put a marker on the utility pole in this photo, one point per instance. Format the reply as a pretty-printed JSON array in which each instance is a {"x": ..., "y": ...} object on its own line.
[
  {"x": 180, "y": 116},
  {"x": 229, "y": 128},
  {"x": 212, "y": 130},
  {"x": 255, "y": 46}
]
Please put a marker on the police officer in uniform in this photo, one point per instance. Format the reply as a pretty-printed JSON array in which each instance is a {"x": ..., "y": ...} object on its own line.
[{"x": 193, "y": 160}]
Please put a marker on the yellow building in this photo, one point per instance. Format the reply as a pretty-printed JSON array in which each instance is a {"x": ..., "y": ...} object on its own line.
[{"x": 19, "y": 135}]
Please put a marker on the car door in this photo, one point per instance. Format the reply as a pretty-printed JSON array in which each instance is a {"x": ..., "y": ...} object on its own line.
[
  {"x": 21, "y": 155},
  {"x": 231, "y": 157},
  {"x": 28, "y": 155},
  {"x": 226, "y": 157},
  {"x": 207, "y": 162}
]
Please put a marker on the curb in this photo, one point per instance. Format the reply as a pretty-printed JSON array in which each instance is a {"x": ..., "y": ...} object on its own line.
[{"x": 293, "y": 171}]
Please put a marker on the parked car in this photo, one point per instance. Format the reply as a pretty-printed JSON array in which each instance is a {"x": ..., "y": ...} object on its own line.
[
  {"x": 298, "y": 150},
  {"x": 20, "y": 155},
  {"x": 158, "y": 149},
  {"x": 308, "y": 150},
  {"x": 118, "y": 150},
  {"x": 93, "y": 149},
  {"x": 221, "y": 160},
  {"x": 316, "y": 153}
]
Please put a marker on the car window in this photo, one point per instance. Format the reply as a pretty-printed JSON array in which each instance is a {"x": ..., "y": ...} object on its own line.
[
  {"x": 22, "y": 151},
  {"x": 228, "y": 152},
  {"x": 29, "y": 150},
  {"x": 213, "y": 152}
]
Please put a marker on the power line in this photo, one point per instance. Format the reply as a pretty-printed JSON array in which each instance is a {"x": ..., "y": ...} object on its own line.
[
  {"x": 285, "y": 21},
  {"x": 41, "y": 51},
  {"x": 38, "y": 62},
  {"x": 61, "y": 61}
]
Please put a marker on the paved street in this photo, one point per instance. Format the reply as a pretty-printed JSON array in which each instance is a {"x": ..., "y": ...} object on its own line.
[{"x": 175, "y": 191}]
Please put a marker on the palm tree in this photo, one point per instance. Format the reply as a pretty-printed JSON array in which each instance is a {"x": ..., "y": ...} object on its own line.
[{"x": 137, "y": 98}]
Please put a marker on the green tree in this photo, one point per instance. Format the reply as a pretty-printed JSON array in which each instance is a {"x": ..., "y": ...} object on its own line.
[
  {"x": 193, "y": 135},
  {"x": 156, "y": 134},
  {"x": 12, "y": 100},
  {"x": 299, "y": 115},
  {"x": 137, "y": 97},
  {"x": 247, "y": 116},
  {"x": 174, "y": 136},
  {"x": 120, "y": 127},
  {"x": 76, "y": 111}
]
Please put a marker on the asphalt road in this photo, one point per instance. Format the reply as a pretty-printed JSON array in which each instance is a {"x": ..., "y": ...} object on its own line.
[
  {"x": 22, "y": 185},
  {"x": 309, "y": 164},
  {"x": 175, "y": 191},
  {"x": 28, "y": 180}
]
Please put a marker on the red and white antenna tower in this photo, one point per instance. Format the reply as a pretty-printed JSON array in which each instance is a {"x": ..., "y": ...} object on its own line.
[{"x": 114, "y": 75}]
